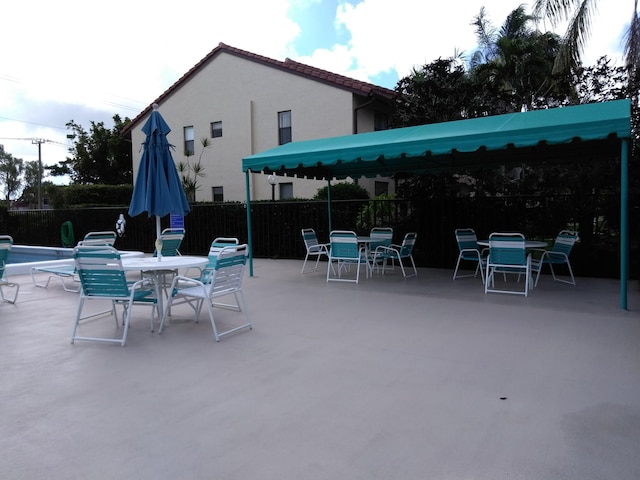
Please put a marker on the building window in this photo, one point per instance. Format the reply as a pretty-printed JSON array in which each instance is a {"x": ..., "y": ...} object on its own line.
[
  {"x": 284, "y": 127},
  {"x": 189, "y": 141},
  {"x": 218, "y": 194},
  {"x": 380, "y": 121},
  {"x": 286, "y": 190},
  {"x": 216, "y": 129},
  {"x": 381, "y": 188}
]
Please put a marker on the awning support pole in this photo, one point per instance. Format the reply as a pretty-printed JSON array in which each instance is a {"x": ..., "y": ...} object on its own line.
[
  {"x": 624, "y": 219},
  {"x": 329, "y": 203},
  {"x": 249, "y": 233}
]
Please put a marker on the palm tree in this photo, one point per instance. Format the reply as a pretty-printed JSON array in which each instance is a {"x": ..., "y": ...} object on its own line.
[
  {"x": 514, "y": 62},
  {"x": 580, "y": 14}
]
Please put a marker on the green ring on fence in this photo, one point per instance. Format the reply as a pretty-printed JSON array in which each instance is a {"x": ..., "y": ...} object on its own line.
[{"x": 66, "y": 234}]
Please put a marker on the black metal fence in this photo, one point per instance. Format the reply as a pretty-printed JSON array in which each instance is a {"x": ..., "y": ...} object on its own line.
[{"x": 276, "y": 226}]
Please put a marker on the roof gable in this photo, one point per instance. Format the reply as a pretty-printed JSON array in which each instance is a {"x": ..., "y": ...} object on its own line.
[{"x": 290, "y": 66}]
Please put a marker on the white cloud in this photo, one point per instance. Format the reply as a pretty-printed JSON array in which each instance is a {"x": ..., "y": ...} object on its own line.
[
  {"x": 80, "y": 60},
  {"x": 407, "y": 33}
]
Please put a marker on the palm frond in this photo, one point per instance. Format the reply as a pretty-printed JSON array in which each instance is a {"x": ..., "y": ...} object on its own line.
[
  {"x": 632, "y": 41},
  {"x": 576, "y": 36}
]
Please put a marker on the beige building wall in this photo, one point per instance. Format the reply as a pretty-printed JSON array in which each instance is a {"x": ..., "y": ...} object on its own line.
[{"x": 246, "y": 97}]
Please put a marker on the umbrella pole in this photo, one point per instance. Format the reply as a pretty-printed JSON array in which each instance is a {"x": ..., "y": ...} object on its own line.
[{"x": 158, "y": 239}]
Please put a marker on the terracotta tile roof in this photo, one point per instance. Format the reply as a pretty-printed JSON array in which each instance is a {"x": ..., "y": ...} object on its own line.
[{"x": 291, "y": 66}]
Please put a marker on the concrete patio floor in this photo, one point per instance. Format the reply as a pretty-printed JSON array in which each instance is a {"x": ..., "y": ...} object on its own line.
[{"x": 425, "y": 378}]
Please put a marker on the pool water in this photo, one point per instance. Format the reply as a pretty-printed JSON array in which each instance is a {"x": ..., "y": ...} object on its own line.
[
  {"x": 23, "y": 257},
  {"x": 28, "y": 257}
]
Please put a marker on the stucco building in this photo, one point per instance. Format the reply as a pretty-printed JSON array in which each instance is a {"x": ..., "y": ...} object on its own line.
[{"x": 244, "y": 103}]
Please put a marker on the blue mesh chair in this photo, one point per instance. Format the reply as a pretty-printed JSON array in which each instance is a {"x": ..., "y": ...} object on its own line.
[
  {"x": 313, "y": 247},
  {"x": 345, "y": 251},
  {"x": 558, "y": 255},
  {"x": 379, "y": 236},
  {"x": 397, "y": 253},
  {"x": 508, "y": 255},
  {"x": 469, "y": 251}
]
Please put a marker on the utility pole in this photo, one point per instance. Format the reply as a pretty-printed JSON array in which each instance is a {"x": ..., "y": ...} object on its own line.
[{"x": 39, "y": 142}]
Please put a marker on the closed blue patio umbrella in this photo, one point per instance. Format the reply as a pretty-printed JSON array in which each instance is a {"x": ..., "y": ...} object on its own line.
[{"x": 157, "y": 190}]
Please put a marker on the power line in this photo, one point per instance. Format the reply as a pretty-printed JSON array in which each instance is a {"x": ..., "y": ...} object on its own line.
[
  {"x": 34, "y": 140},
  {"x": 33, "y": 123}
]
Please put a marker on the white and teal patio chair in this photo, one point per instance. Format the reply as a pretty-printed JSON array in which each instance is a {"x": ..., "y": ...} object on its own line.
[
  {"x": 171, "y": 241},
  {"x": 313, "y": 247},
  {"x": 99, "y": 238},
  {"x": 222, "y": 278},
  {"x": 6, "y": 242},
  {"x": 379, "y": 236},
  {"x": 61, "y": 272},
  {"x": 399, "y": 253},
  {"x": 558, "y": 255},
  {"x": 102, "y": 277},
  {"x": 215, "y": 248},
  {"x": 68, "y": 272},
  {"x": 508, "y": 256},
  {"x": 469, "y": 251},
  {"x": 345, "y": 251},
  {"x": 170, "y": 247}
]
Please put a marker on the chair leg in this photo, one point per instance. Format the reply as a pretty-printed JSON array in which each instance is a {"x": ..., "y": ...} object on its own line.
[
  {"x": 415, "y": 270},
  {"x": 15, "y": 295},
  {"x": 455, "y": 272},
  {"x": 213, "y": 322},
  {"x": 305, "y": 262}
]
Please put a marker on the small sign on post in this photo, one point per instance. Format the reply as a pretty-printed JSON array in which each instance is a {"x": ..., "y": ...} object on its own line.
[{"x": 176, "y": 221}]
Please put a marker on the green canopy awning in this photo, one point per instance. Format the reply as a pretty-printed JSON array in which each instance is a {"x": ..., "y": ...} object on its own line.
[
  {"x": 553, "y": 134},
  {"x": 581, "y": 132}
]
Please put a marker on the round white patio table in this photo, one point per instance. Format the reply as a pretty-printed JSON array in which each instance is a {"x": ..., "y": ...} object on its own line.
[
  {"x": 157, "y": 267},
  {"x": 527, "y": 243}
]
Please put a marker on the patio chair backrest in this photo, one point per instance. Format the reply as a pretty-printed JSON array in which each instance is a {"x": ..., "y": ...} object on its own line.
[
  {"x": 100, "y": 238},
  {"x": 507, "y": 249},
  {"x": 6, "y": 243},
  {"x": 218, "y": 244},
  {"x": 467, "y": 243},
  {"x": 406, "y": 249},
  {"x": 100, "y": 271},
  {"x": 564, "y": 242},
  {"x": 310, "y": 239},
  {"x": 228, "y": 270},
  {"x": 171, "y": 241},
  {"x": 344, "y": 244},
  {"x": 380, "y": 236}
]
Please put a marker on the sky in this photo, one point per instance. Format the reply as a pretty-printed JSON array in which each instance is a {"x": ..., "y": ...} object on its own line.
[{"x": 87, "y": 61}]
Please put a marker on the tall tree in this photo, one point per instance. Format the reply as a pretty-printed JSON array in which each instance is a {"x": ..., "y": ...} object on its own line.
[
  {"x": 580, "y": 15},
  {"x": 514, "y": 64},
  {"x": 11, "y": 169},
  {"x": 100, "y": 156},
  {"x": 437, "y": 92}
]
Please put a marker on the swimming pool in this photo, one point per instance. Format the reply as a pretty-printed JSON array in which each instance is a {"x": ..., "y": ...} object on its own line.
[{"x": 23, "y": 257}]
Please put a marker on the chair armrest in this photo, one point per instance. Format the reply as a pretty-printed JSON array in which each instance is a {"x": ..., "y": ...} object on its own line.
[
  {"x": 186, "y": 280},
  {"x": 383, "y": 248},
  {"x": 559, "y": 256}
]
